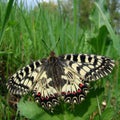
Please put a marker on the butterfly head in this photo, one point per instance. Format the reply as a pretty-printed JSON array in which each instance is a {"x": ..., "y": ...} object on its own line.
[
  {"x": 52, "y": 58},
  {"x": 52, "y": 54}
]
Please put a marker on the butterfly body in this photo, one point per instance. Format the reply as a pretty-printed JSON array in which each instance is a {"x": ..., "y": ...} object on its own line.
[{"x": 64, "y": 77}]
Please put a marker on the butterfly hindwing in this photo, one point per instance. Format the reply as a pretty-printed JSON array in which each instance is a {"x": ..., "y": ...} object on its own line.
[
  {"x": 44, "y": 92},
  {"x": 75, "y": 89}
]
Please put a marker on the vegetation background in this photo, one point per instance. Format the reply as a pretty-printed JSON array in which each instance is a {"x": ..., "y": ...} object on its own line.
[{"x": 83, "y": 26}]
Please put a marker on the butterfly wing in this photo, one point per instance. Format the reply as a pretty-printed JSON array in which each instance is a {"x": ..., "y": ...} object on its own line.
[
  {"x": 75, "y": 88},
  {"x": 79, "y": 70},
  {"x": 90, "y": 67},
  {"x": 22, "y": 81},
  {"x": 34, "y": 78}
]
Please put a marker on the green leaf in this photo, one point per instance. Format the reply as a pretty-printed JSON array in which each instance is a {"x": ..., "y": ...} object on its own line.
[
  {"x": 81, "y": 111},
  {"x": 32, "y": 111},
  {"x": 101, "y": 41}
]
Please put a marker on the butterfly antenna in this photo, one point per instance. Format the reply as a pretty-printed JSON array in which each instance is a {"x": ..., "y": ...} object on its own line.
[
  {"x": 56, "y": 43},
  {"x": 46, "y": 45}
]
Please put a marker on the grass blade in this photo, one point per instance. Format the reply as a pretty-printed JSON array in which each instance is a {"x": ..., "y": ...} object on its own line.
[
  {"x": 8, "y": 11},
  {"x": 116, "y": 41}
]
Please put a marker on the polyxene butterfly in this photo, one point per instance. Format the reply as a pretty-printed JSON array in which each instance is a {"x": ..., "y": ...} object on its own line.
[{"x": 59, "y": 78}]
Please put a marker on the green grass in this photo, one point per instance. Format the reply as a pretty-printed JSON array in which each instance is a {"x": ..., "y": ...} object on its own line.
[{"x": 21, "y": 36}]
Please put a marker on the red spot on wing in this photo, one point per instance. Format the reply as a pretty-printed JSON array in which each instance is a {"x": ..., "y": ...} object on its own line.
[
  {"x": 63, "y": 93},
  {"x": 47, "y": 98},
  {"x": 68, "y": 92},
  {"x": 38, "y": 94},
  {"x": 79, "y": 91},
  {"x": 81, "y": 85},
  {"x": 42, "y": 98},
  {"x": 74, "y": 92}
]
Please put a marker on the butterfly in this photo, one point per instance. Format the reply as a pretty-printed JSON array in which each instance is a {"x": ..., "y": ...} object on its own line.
[{"x": 65, "y": 77}]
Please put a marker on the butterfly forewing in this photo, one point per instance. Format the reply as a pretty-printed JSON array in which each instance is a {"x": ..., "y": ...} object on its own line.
[
  {"x": 91, "y": 67},
  {"x": 22, "y": 81},
  {"x": 64, "y": 78}
]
